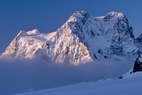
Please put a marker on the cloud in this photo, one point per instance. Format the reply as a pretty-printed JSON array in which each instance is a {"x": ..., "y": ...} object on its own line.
[{"x": 20, "y": 75}]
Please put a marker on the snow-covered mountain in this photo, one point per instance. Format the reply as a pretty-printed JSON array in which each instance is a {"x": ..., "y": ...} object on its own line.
[{"x": 82, "y": 39}]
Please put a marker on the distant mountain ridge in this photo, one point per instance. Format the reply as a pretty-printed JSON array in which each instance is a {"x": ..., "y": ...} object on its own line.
[{"x": 81, "y": 39}]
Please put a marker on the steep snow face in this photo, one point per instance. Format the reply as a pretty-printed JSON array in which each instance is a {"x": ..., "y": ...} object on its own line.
[
  {"x": 108, "y": 38},
  {"x": 24, "y": 44},
  {"x": 82, "y": 39},
  {"x": 105, "y": 36}
]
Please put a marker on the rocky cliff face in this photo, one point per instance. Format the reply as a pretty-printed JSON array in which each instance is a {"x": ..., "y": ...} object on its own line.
[
  {"x": 82, "y": 39},
  {"x": 138, "y": 62}
]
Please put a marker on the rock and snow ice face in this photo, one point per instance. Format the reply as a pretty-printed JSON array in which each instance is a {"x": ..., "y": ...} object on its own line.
[
  {"x": 107, "y": 38},
  {"x": 82, "y": 39},
  {"x": 138, "y": 62},
  {"x": 23, "y": 44}
]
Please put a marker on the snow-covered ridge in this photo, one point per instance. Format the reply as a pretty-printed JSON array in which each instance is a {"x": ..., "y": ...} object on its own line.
[{"x": 82, "y": 39}]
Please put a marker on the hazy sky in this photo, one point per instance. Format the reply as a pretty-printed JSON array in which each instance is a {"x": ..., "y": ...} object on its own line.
[{"x": 48, "y": 15}]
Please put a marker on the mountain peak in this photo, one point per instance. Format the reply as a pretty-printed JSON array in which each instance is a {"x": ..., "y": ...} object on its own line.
[
  {"x": 114, "y": 15},
  {"x": 78, "y": 16},
  {"x": 25, "y": 33},
  {"x": 13, "y": 46},
  {"x": 33, "y": 32}
]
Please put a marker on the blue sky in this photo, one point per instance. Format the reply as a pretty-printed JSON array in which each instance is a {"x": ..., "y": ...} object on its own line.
[{"x": 48, "y": 15}]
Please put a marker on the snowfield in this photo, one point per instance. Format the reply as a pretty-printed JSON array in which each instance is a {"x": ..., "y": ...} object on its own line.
[{"x": 130, "y": 85}]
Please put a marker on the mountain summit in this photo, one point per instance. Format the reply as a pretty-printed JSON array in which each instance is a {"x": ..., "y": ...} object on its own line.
[{"x": 81, "y": 39}]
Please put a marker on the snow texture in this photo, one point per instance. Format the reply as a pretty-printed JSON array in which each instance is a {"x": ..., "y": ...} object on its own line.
[{"x": 130, "y": 85}]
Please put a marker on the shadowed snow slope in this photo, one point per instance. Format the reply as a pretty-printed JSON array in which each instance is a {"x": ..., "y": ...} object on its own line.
[{"x": 129, "y": 86}]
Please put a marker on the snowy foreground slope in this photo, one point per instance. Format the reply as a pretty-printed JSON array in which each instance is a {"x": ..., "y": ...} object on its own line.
[{"x": 130, "y": 85}]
